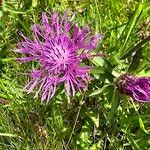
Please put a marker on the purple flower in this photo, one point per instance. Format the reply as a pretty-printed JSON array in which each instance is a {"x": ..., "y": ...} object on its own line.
[
  {"x": 136, "y": 87},
  {"x": 59, "y": 47}
]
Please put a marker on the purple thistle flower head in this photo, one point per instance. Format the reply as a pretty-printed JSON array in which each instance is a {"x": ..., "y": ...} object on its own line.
[
  {"x": 59, "y": 47},
  {"x": 136, "y": 87}
]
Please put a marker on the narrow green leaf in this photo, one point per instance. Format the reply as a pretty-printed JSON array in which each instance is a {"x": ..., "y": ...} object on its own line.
[
  {"x": 135, "y": 48},
  {"x": 142, "y": 124},
  {"x": 114, "y": 105},
  {"x": 102, "y": 90},
  {"x": 133, "y": 142},
  {"x": 130, "y": 26},
  {"x": 8, "y": 134}
]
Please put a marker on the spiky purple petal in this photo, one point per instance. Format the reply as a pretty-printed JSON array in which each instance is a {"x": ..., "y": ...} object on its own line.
[{"x": 59, "y": 47}]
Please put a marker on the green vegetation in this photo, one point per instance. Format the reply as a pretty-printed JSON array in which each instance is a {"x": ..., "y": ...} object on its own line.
[{"x": 100, "y": 118}]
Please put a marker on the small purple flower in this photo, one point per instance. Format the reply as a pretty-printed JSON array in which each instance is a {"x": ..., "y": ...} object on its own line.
[
  {"x": 136, "y": 87},
  {"x": 59, "y": 47}
]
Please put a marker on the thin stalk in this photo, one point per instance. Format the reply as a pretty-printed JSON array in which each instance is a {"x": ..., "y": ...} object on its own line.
[{"x": 80, "y": 106}]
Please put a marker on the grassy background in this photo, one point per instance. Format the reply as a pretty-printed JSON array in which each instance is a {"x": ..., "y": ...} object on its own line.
[{"x": 100, "y": 118}]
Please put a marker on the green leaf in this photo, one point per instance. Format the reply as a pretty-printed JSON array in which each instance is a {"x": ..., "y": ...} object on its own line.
[
  {"x": 34, "y": 3},
  {"x": 130, "y": 26},
  {"x": 102, "y": 90},
  {"x": 8, "y": 134},
  {"x": 135, "y": 64},
  {"x": 83, "y": 138},
  {"x": 142, "y": 124},
  {"x": 96, "y": 146},
  {"x": 114, "y": 105},
  {"x": 135, "y": 48},
  {"x": 98, "y": 61},
  {"x": 95, "y": 118}
]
